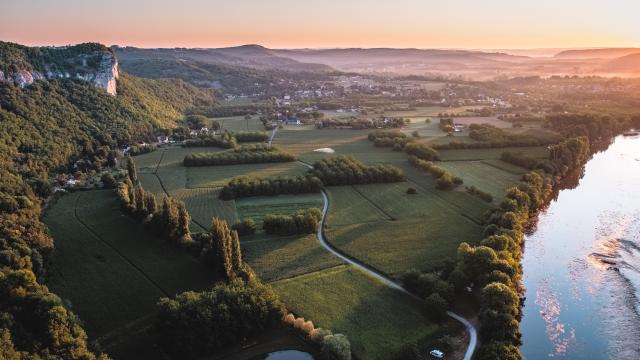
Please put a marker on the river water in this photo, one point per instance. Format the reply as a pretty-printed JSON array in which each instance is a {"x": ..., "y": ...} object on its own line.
[{"x": 582, "y": 264}]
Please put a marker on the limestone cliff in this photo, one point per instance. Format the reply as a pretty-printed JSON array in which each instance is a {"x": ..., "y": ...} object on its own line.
[{"x": 93, "y": 63}]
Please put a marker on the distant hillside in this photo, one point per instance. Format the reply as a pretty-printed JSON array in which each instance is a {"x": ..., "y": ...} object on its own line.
[
  {"x": 251, "y": 56},
  {"x": 628, "y": 64},
  {"x": 604, "y": 53},
  {"x": 348, "y": 58}
]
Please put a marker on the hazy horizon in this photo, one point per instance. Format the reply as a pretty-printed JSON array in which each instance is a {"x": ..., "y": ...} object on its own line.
[{"x": 286, "y": 24}]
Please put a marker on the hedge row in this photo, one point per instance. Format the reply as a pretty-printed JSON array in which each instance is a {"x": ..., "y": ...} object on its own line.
[
  {"x": 345, "y": 170},
  {"x": 238, "y": 156},
  {"x": 247, "y": 186}
]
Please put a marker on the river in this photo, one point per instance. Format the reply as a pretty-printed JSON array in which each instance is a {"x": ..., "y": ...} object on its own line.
[{"x": 582, "y": 264}]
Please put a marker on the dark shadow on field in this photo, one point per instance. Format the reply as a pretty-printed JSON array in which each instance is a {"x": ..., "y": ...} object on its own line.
[{"x": 276, "y": 257}]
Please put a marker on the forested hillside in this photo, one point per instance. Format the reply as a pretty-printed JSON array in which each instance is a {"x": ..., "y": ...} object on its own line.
[{"x": 44, "y": 129}]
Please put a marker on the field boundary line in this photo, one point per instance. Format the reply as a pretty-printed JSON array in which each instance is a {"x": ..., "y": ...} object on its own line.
[
  {"x": 499, "y": 168},
  {"x": 169, "y": 195},
  {"x": 112, "y": 247},
  {"x": 391, "y": 218},
  {"x": 159, "y": 161}
]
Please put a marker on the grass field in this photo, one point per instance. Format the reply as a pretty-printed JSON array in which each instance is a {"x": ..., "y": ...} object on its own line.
[
  {"x": 218, "y": 176},
  {"x": 392, "y": 231},
  {"x": 280, "y": 257},
  {"x": 239, "y": 123},
  {"x": 108, "y": 268},
  {"x": 483, "y": 176},
  {"x": 258, "y": 207},
  {"x": 377, "y": 320}
]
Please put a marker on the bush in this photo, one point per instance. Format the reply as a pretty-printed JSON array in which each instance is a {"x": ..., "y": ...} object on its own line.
[
  {"x": 108, "y": 181},
  {"x": 336, "y": 347},
  {"x": 252, "y": 136},
  {"x": 435, "y": 306},
  {"x": 245, "y": 227},
  {"x": 422, "y": 151},
  {"x": 485, "y": 196},
  {"x": 302, "y": 222},
  {"x": 412, "y": 191}
]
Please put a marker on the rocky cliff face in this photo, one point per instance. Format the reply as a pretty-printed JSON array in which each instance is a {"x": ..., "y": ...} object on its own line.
[{"x": 99, "y": 68}]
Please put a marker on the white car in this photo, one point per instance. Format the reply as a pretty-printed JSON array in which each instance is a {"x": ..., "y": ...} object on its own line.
[{"x": 437, "y": 354}]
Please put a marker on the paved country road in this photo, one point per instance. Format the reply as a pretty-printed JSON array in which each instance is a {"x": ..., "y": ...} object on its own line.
[{"x": 473, "y": 334}]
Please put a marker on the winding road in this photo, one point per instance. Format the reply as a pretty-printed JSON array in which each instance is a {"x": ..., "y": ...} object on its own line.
[{"x": 473, "y": 334}]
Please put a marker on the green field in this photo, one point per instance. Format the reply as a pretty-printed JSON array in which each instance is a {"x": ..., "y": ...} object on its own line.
[
  {"x": 239, "y": 123},
  {"x": 258, "y": 207},
  {"x": 108, "y": 268},
  {"x": 484, "y": 176},
  {"x": 218, "y": 176},
  {"x": 377, "y": 320},
  {"x": 280, "y": 257},
  {"x": 538, "y": 152}
]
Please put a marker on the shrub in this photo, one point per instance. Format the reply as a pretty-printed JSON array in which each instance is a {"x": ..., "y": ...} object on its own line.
[
  {"x": 485, "y": 196},
  {"x": 108, "y": 181},
  {"x": 302, "y": 222},
  {"x": 422, "y": 151},
  {"x": 336, "y": 347},
  {"x": 252, "y": 136},
  {"x": 289, "y": 319},
  {"x": 412, "y": 191},
  {"x": 435, "y": 306},
  {"x": 245, "y": 227}
]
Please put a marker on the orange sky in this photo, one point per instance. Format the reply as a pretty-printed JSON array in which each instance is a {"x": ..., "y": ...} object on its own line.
[{"x": 326, "y": 23}]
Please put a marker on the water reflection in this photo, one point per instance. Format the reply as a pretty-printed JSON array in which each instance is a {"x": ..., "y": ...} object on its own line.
[
  {"x": 289, "y": 355},
  {"x": 582, "y": 264}
]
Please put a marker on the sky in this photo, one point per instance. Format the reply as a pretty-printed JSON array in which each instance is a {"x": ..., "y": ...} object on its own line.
[{"x": 488, "y": 24}]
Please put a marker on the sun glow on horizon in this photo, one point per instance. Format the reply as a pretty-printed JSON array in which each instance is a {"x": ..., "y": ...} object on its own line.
[{"x": 332, "y": 23}]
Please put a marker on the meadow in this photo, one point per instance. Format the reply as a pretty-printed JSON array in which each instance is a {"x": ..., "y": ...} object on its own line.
[
  {"x": 109, "y": 269},
  {"x": 378, "y": 320}
]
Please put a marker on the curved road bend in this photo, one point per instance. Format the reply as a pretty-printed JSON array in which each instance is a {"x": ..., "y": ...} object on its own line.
[{"x": 473, "y": 334}]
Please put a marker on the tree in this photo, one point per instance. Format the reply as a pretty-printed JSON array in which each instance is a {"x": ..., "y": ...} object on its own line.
[
  {"x": 108, "y": 181},
  {"x": 336, "y": 347},
  {"x": 225, "y": 244},
  {"x": 184, "y": 220},
  {"x": 435, "y": 306},
  {"x": 131, "y": 170}
]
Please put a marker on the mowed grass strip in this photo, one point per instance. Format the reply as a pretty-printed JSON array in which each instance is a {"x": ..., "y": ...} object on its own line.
[
  {"x": 397, "y": 246},
  {"x": 378, "y": 320},
  {"x": 258, "y": 207},
  {"x": 218, "y": 176},
  {"x": 278, "y": 257},
  {"x": 110, "y": 269}
]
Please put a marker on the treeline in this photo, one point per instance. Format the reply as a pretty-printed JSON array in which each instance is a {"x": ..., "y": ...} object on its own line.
[
  {"x": 195, "y": 324},
  {"x": 252, "y": 136},
  {"x": 226, "y": 141},
  {"x": 168, "y": 219},
  {"x": 494, "y": 266},
  {"x": 244, "y": 186},
  {"x": 355, "y": 123},
  {"x": 135, "y": 150},
  {"x": 220, "y": 249},
  {"x": 563, "y": 156},
  {"x": 446, "y": 181},
  {"x": 36, "y": 323},
  {"x": 489, "y": 137},
  {"x": 594, "y": 127},
  {"x": 242, "y": 155},
  {"x": 394, "y": 139},
  {"x": 302, "y": 222},
  {"x": 345, "y": 170},
  {"x": 422, "y": 151}
]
